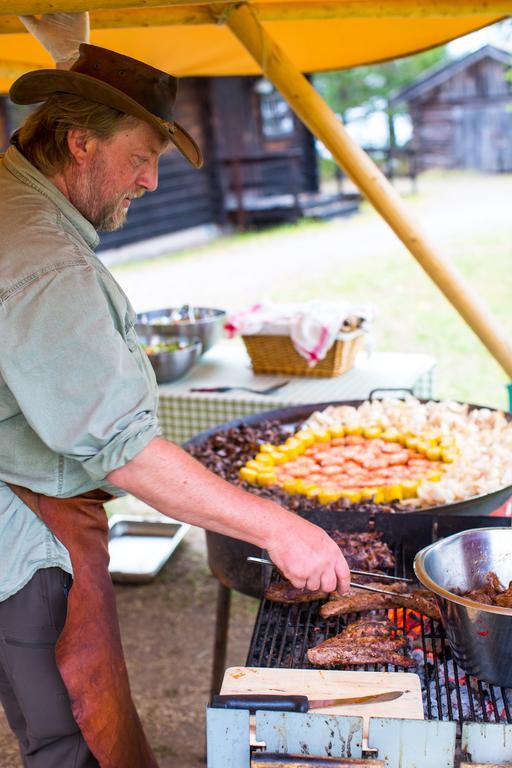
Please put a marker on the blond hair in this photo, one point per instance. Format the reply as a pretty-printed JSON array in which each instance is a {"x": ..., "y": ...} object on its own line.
[{"x": 42, "y": 138}]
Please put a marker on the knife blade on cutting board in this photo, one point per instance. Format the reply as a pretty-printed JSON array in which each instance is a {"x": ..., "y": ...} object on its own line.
[
  {"x": 293, "y": 703},
  {"x": 322, "y": 685}
]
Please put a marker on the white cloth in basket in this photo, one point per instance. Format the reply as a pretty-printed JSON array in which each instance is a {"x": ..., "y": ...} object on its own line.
[{"x": 313, "y": 326}]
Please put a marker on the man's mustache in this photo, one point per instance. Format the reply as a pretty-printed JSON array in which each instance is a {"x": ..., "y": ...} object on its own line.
[{"x": 138, "y": 193}]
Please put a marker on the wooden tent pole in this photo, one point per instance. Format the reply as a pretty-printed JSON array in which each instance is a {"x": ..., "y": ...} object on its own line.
[{"x": 323, "y": 123}]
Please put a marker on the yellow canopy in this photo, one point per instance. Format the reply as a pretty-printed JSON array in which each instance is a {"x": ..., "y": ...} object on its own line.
[{"x": 192, "y": 40}]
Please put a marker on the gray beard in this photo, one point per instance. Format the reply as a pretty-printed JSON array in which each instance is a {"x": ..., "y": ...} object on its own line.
[{"x": 83, "y": 194}]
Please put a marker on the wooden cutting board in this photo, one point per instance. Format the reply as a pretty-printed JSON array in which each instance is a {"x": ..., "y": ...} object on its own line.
[{"x": 331, "y": 684}]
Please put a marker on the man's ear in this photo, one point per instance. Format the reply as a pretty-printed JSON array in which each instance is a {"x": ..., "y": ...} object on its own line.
[{"x": 81, "y": 145}]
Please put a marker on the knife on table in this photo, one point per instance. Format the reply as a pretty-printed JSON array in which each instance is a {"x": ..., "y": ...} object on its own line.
[{"x": 290, "y": 703}]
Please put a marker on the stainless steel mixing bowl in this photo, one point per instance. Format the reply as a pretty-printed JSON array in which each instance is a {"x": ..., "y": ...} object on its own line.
[
  {"x": 171, "y": 365},
  {"x": 187, "y": 322},
  {"x": 480, "y": 636}
]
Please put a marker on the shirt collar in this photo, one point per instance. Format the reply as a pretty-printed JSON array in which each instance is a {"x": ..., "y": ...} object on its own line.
[{"x": 20, "y": 167}]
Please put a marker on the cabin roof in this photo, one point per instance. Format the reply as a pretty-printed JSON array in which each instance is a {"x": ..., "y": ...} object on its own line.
[{"x": 436, "y": 76}]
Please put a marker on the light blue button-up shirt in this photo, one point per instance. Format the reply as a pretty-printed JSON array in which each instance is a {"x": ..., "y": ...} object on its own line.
[{"x": 78, "y": 397}]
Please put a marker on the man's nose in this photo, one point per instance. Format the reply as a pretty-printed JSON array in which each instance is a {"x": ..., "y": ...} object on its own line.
[{"x": 149, "y": 177}]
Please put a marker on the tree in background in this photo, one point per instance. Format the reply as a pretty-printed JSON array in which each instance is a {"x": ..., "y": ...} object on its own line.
[{"x": 371, "y": 87}]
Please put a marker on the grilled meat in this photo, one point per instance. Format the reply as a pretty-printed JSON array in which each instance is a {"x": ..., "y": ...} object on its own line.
[
  {"x": 360, "y": 656},
  {"x": 491, "y": 593},
  {"x": 354, "y": 602},
  {"x": 341, "y": 653},
  {"x": 358, "y": 600},
  {"x": 493, "y": 583},
  {"x": 368, "y": 628},
  {"x": 479, "y": 596},
  {"x": 505, "y": 598},
  {"x": 364, "y": 642},
  {"x": 284, "y": 592},
  {"x": 364, "y": 551},
  {"x": 420, "y": 600}
]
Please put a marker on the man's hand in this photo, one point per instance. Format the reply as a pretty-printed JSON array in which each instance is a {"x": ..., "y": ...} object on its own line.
[
  {"x": 60, "y": 33},
  {"x": 309, "y": 558}
]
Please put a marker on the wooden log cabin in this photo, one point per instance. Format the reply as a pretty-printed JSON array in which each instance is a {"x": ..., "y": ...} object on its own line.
[
  {"x": 260, "y": 165},
  {"x": 462, "y": 113}
]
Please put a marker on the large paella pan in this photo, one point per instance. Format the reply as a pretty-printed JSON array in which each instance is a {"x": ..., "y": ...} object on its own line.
[
  {"x": 231, "y": 447},
  {"x": 471, "y": 451}
]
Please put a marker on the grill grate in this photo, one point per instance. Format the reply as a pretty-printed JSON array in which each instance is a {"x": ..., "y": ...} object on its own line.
[{"x": 283, "y": 633}]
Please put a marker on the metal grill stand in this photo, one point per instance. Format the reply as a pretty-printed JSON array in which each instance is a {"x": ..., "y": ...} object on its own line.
[
  {"x": 464, "y": 716},
  {"x": 283, "y": 633}
]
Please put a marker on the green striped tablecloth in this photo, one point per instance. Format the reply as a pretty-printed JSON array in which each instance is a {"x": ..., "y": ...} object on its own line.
[{"x": 183, "y": 413}]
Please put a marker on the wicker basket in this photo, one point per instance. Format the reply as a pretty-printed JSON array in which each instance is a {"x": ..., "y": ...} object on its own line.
[{"x": 276, "y": 354}]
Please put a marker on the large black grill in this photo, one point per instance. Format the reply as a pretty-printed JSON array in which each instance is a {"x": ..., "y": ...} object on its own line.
[{"x": 283, "y": 633}]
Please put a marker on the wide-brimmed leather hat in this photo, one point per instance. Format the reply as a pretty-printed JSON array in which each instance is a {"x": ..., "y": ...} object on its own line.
[{"x": 118, "y": 81}]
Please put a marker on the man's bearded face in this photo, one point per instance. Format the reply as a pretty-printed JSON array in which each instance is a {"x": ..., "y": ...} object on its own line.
[
  {"x": 101, "y": 194},
  {"x": 106, "y": 175}
]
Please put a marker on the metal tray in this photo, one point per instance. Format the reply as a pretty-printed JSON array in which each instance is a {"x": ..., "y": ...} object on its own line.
[{"x": 139, "y": 547}]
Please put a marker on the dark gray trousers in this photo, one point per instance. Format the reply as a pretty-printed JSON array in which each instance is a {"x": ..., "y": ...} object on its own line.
[{"x": 33, "y": 695}]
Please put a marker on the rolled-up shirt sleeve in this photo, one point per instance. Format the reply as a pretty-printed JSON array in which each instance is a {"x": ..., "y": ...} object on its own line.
[{"x": 80, "y": 378}]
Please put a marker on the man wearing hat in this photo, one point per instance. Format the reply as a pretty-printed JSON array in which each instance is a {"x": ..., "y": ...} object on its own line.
[{"x": 78, "y": 404}]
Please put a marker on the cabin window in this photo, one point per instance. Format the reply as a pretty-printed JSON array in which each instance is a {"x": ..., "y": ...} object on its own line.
[{"x": 276, "y": 115}]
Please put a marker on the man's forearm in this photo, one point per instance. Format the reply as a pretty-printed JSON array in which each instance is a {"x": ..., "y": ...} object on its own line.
[
  {"x": 171, "y": 481},
  {"x": 168, "y": 479}
]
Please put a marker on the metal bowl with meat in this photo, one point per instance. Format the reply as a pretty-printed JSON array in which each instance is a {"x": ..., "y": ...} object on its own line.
[{"x": 470, "y": 574}]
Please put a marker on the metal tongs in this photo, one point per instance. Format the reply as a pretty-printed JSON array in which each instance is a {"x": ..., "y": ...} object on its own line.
[{"x": 264, "y": 561}]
